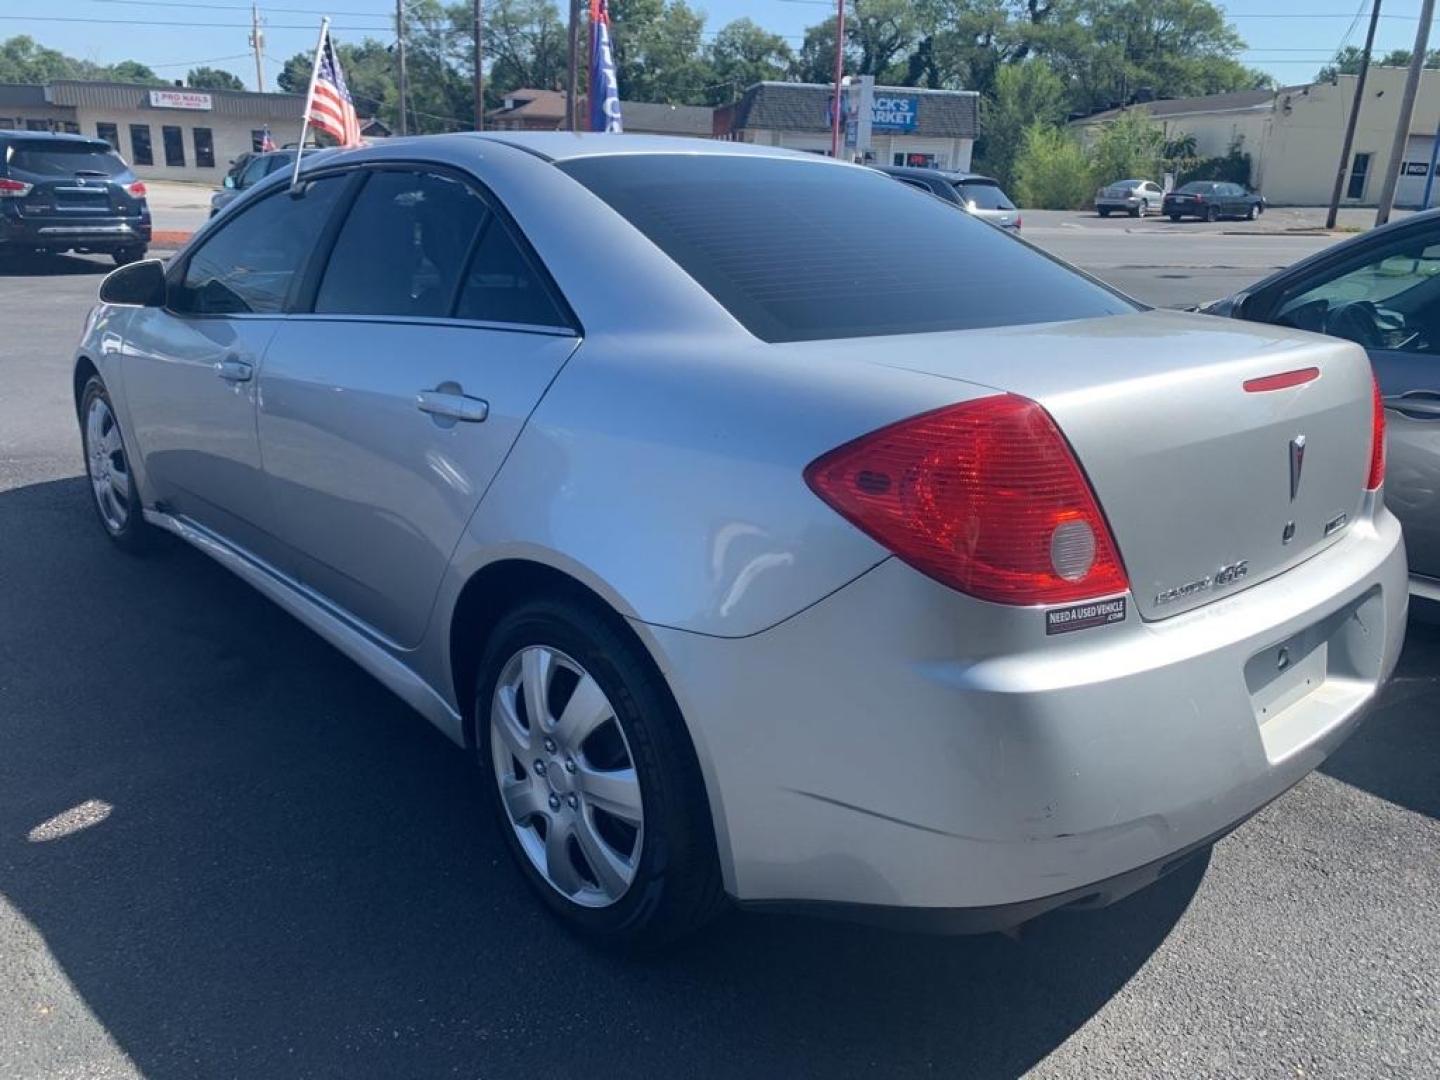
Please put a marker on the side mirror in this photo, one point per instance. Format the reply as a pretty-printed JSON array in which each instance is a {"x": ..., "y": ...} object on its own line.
[
  {"x": 229, "y": 183},
  {"x": 140, "y": 284}
]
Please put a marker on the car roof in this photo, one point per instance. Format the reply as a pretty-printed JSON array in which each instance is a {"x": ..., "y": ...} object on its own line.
[
  {"x": 571, "y": 145},
  {"x": 51, "y": 136},
  {"x": 921, "y": 173}
]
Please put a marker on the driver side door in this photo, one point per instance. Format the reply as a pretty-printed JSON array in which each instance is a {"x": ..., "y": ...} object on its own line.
[{"x": 1386, "y": 297}]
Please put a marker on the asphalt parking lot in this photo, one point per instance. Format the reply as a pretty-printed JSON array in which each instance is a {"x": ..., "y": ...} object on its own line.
[{"x": 225, "y": 851}]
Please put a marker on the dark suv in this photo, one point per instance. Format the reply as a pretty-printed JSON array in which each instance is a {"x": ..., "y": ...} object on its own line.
[{"x": 69, "y": 193}]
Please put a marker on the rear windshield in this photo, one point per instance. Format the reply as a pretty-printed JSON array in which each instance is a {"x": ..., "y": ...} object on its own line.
[
  {"x": 800, "y": 251},
  {"x": 985, "y": 195},
  {"x": 65, "y": 159}
]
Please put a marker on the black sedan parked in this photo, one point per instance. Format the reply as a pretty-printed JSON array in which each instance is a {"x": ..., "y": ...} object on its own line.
[
  {"x": 1382, "y": 291},
  {"x": 1211, "y": 200},
  {"x": 69, "y": 193}
]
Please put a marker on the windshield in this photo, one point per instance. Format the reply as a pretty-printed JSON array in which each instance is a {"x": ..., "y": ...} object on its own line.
[
  {"x": 65, "y": 158},
  {"x": 1198, "y": 187},
  {"x": 801, "y": 251},
  {"x": 985, "y": 195}
]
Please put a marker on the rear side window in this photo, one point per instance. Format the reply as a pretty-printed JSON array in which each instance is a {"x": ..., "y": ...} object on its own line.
[
  {"x": 403, "y": 247},
  {"x": 247, "y": 267},
  {"x": 800, "y": 251},
  {"x": 502, "y": 285},
  {"x": 65, "y": 159},
  {"x": 984, "y": 195}
]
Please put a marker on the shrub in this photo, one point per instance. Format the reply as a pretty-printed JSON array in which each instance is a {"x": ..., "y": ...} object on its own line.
[{"x": 1052, "y": 171}]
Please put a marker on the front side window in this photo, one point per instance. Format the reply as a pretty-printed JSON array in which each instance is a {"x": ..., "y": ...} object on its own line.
[
  {"x": 1388, "y": 300},
  {"x": 799, "y": 251},
  {"x": 174, "y": 145},
  {"x": 140, "y": 152},
  {"x": 249, "y": 265},
  {"x": 403, "y": 247},
  {"x": 254, "y": 172}
]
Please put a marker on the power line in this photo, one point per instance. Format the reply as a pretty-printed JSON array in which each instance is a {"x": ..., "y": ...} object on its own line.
[
  {"x": 178, "y": 23},
  {"x": 244, "y": 7}
]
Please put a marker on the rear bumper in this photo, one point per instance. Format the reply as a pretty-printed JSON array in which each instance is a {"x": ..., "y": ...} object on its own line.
[
  {"x": 899, "y": 745},
  {"x": 1118, "y": 204},
  {"x": 66, "y": 234}
]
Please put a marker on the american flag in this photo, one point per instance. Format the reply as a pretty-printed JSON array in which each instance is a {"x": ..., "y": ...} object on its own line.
[
  {"x": 267, "y": 144},
  {"x": 329, "y": 107}
]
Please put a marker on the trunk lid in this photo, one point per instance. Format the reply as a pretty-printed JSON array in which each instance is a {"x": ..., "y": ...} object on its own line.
[{"x": 1192, "y": 470}]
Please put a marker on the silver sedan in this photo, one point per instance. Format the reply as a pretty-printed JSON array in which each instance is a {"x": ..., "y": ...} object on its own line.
[{"x": 759, "y": 546}]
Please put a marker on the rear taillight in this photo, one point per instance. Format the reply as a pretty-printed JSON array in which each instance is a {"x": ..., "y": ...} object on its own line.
[
  {"x": 1377, "y": 438},
  {"x": 14, "y": 189},
  {"x": 136, "y": 189},
  {"x": 1017, "y": 221},
  {"x": 984, "y": 496}
]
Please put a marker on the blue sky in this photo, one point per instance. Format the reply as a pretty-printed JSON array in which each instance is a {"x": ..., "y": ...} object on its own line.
[{"x": 1288, "y": 38}]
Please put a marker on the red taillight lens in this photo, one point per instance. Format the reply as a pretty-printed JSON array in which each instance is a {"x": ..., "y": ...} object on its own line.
[
  {"x": 984, "y": 496},
  {"x": 137, "y": 189},
  {"x": 13, "y": 189},
  {"x": 1377, "y": 439}
]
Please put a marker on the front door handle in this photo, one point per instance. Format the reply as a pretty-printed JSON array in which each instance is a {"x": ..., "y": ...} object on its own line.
[
  {"x": 233, "y": 369},
  {"x": 452, "y": 406},
  {"x": 1418, "y": 405}
]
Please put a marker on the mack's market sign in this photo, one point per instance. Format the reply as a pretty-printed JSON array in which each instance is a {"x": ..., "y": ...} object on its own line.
[
  {"x": 179, "y": 99},
  {"x": 895, "y": 112}
]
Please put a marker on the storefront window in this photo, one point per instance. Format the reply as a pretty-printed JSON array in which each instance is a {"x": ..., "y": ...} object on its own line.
[
  {"x": 915, "y": 161},
  {"x": 174, "y": 145},
  {"x": 204, "y": 148},
  {"x": 140, "y": 152},
  {"x": 110, "y": 133}
]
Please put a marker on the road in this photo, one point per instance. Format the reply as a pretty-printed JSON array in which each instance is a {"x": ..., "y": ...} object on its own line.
[{"x": 227, "y": 852}]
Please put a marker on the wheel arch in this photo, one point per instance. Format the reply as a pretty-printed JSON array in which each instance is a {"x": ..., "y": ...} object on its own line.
[{"x": 85, "y": 370}]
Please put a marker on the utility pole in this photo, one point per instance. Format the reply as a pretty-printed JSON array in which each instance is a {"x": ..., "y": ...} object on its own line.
[
  {"x": 257, "y": 43},
  {"x": 1407, "y": 112},
  {"x": 839, "y": 77},
  {"x": 479, "y": 65},
  {"x": 1349, "y": 142},
  {"x": 402, "y": 80},
  {"x": 572, "y": 85}
]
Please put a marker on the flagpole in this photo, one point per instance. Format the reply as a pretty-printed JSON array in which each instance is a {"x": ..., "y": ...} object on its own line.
[{"x": 309, "y": 100}]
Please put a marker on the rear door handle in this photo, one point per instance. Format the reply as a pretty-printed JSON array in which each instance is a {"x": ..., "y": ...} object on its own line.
[
  {"x": 1421, "y": 405},
  {"x": 453, "y": 406},
  {"x": 233, "y": 369}
]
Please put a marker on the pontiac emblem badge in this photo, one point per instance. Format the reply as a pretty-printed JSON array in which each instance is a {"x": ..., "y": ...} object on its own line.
[{"x": 1297, "y": 464}]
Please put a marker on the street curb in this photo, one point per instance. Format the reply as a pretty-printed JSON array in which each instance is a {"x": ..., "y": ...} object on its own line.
[{"x": 170, "y": 238}]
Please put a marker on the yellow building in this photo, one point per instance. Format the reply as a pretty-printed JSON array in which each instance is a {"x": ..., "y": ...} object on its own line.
[{"x": 1293, "y": 135}]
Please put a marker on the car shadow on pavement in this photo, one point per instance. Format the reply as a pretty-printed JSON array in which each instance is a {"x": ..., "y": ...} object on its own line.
[
  {"x": 282, "y": 871},
  {"x": 1397, "y": 753},
  {"x": 52, "y": 265}
]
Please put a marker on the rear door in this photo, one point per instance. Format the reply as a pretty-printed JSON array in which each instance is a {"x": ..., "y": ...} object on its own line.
[
  {"x": 386, "y": 411},
  {"x": 75, "y": 183},
  {"x": 191, "y": 370},
  {"x": 1386, "y": 297}
]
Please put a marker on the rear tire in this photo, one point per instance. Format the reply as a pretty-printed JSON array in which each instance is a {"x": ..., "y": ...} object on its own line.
[
  {"x": 114, "y": 492},
  {"x": 1175, "y": 217},
  {"x": 1138, "y": 212},
  {"x": 1212, "y": 214},
  {"x": 658, "y": 877},
  {"x": 126, "y": 255}
]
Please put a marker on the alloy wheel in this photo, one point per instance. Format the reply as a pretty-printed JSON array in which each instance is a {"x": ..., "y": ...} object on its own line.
[
  {"x": 566, "y": 776},
  {"x": 107, "y": 466}
]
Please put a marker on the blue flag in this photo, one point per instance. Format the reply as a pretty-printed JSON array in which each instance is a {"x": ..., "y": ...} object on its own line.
[{"x": 604, "y": 89}]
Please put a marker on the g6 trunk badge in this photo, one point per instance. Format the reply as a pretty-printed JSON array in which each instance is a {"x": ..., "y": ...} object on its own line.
[
  {"x": 1226, "y": 575},
  {"x": 1297, "y": 464}
]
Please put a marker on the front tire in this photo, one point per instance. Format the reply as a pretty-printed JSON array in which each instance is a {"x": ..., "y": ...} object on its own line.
[
  {"x": 592, "y": 777},
  {"x": 1175, "y": 217},
  {"x": 1212, "y": 214},
  {"x": 1251, "y": 214},
  {"x": 1138, "y": 212},
  {"x": 1103, "y": 211},
  {"x": 114, "y": 492},
  {"x": 127, "y": 255}
]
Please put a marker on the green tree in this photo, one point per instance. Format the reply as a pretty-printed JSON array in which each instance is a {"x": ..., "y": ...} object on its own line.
[
  {"x": 135, "y": 72},
  {"x": 208, "y": 78},
  {"x": 1052, "y": 171},
  {"x": 1026, "y": 93},
  {"x": 658, "y": 55},
  {"x": 742, "y": 54},
  {"x": 1130, "y": 147},
  {"x": 526, "y": 46}
]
